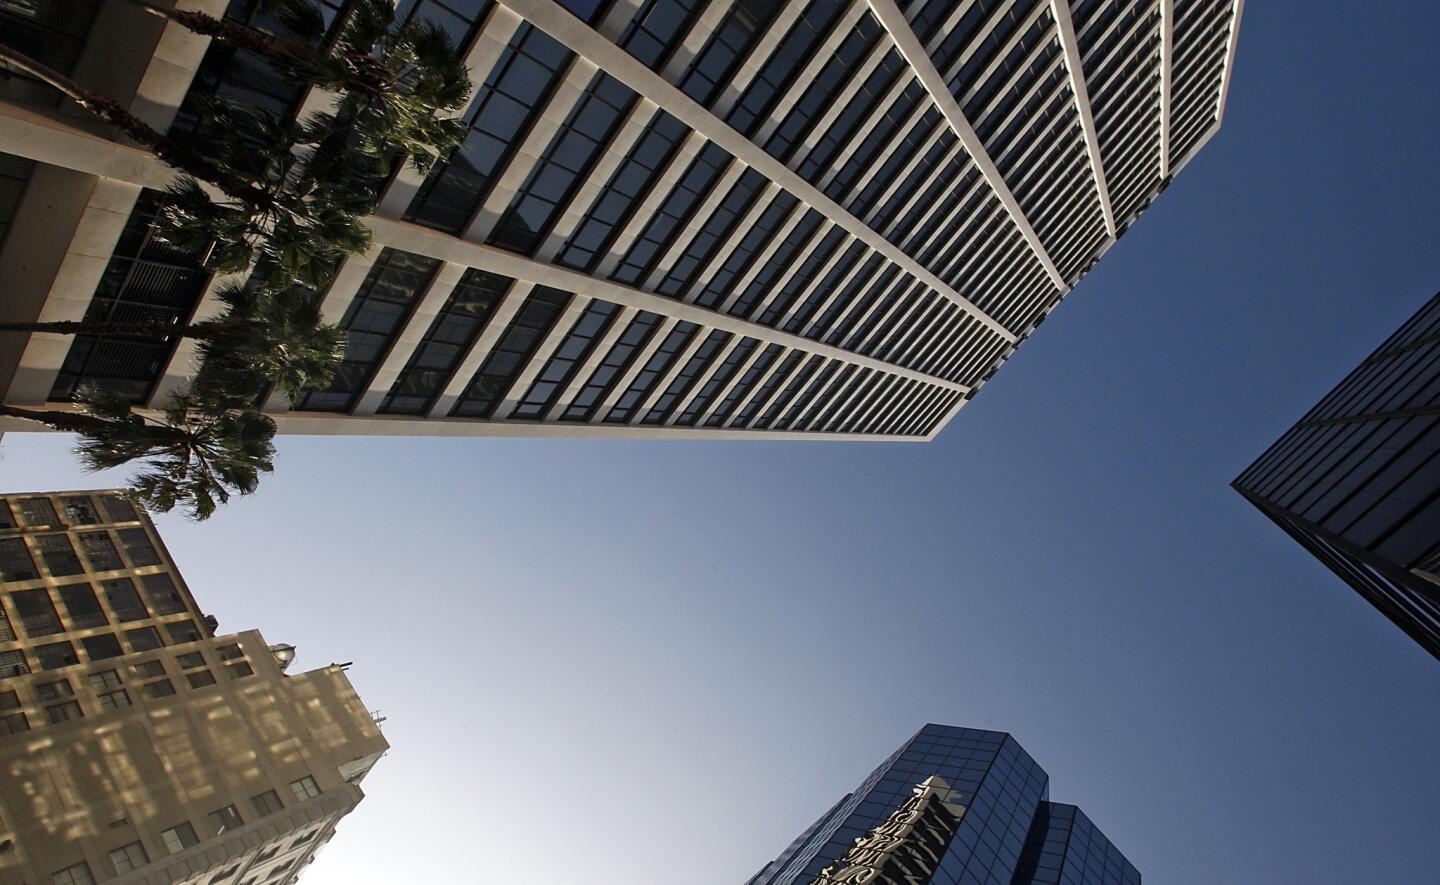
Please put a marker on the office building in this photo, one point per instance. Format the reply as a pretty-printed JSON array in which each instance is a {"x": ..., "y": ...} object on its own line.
[
  {"x": 136, "y": 745},
  {"x": 670, "y": 218},
  {"x": 952, "y": 806},
  {"x": 1357, "y": 480}
]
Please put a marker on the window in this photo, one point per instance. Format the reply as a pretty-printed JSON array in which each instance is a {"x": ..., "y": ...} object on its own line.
[
  {"x": 225, "y": 874},
  {"x": 182, "y": 631},
  {"x": 160, "y": 590},
  {"x": 118, "y": 509},
  {"x": 81, "y": 606},
  {"x": 15, "y": 561},
  {"x": 54, "y": 691},
  {"x": 124, "y": 601},
  {"x": 79, "y": 510},
  {"x": 511, "y": 352},
  {"x": 37, "y": 512},
  {"x": 114, "y": 700},
  {"x": 59, "y": 556},
  {"x": 7, "y": 519},
  {"x": 37, "y": 612},
  {"x": 150, "y": 668},
  {"x": 7, "y": 632},
  {"x": 229, "y": 652},
  {"x": 138, "y": 547},
  {"x": 9, "y": 700},
  {"x": 14, "y": 723},
  {"x": 266, "y": 803},
  {"x": 190, "y": 660},
  {"x": 129, "y": 857},
  {"x": 573, "y": 351},
  {"x": 225, "y": 819},
  {"x": 200, "y": 678},
  {"x": 179, "y": 837},
  {"x": 303, "y": 838},
  {"x": 99, "y": 648},
  {"x": 66, "y": 711},
  {"x": 105, "y": 679},
  {"x": 56, "y": 655},
  {"x": 305, "y": 788},
  {"x": 12, "y": 663},
  {"x": 76, "y": 875},
  {"x": 101, "y": 552},
  {"x": 144, "y": 638},
  {"x": 240, "y": 670},
  {"x": 161, "y": 689}
]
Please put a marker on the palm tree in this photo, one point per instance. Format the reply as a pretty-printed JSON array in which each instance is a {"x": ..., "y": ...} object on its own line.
[
  {"x": 395, "y": 84},
  {"x": 174, "y": 152},
  {"x": 265, "y": 337},
  {"x": 198, "y": 452}
]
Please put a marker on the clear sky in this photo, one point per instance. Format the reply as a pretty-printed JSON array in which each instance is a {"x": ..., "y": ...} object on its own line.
[{"x": 656, "y": 662}]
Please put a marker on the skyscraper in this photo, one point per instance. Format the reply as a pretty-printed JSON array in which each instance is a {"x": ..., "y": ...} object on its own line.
[
  {"x": 736, "y": 218},
  {"x": 135, "y": 744},
  {"x": 1357, "y": 479},
  {"x": 952, "y": 806}
]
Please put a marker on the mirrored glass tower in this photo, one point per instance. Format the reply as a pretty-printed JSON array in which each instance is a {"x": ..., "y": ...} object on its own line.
[
  {"x": 1357, "y": 480},
  {"x": 952, "y": 806}
]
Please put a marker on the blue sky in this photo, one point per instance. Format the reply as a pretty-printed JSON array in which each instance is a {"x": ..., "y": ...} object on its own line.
[{"x": 639, "y": 662}]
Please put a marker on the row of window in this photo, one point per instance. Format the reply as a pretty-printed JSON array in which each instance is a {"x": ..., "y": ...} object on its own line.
[
  {"x": 35, "y": 611},
  {"x": 175, "y": 839},
  {"x": 57, "y": 697},
  {"x": 40, "y": 511},
  {"x": 18, "y": 554}
]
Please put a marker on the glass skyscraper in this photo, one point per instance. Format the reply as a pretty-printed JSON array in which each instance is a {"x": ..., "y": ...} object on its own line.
[
  {"x": 1357, "y": 480},
  {"x": 738, "y": 219},
  {"x": 952, "y": 806}
]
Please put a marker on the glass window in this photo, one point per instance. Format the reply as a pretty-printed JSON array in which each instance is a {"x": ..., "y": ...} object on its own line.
[
  {"x": 36, "y": 611},
  {"x": 114, "y": 700},
  {"x": 64, "y": 711},
  {"x": 138, "y": 547},
  {"x": 790, "y": 55},
  {"x": 118, "y": 508},
  {"x": 502, "y": 110},
  {"x": 98, "y": 648},
  {"x": 573, "y": 351},
  {"x": 124, "y": 601},
  {"x": 613, "y": 366},
  {"x": 54, "y": 691},
  {"x": 451, "y": 335},
  {"x": 144, "y": 639},
  {"x": 266, "y": 803},
  {"x": 160, "y": 590},
  {"x": 305, "y": 788},
  {"x": 76, "y": 875},
  {"x": 7, "y": 517},
  {"x": 81, "y": 607},
  {"x": 225, "y": 819},
  {"x": 371, "y": 322},
  {"x": 128, "y": 857},
  {"x": 240, "y": 670},
  {"x": 656, "y": 366},
  {"x": 101, "y": 552},
  {"x": 14, "y": 723},
  {"x": 182, "y": 631},
  {"x": 229, "y": 652},
  {"x": 179, "y": 837},
  {"x": 15, "y": 561},
  {"x": 9, "y": 700},
  {"x": 730, "y": 43},
  {"x": 200, "y": 678},
  {"x": 722, "y": 374},
  {"x": 512, "y": 352},
  {"x": 79, "y": 510},
  {"x": 105, "y": 679},
  {"x": 37, "y": 512},
  {"x": 160, "y": 689},
  {"x": 672, "y": 214},
  {"x": 190, "y": 660},
  {"x": 56, "y": 655},
  {"x": 12, "y": 663},
  {"x": 150, "y": 668}
]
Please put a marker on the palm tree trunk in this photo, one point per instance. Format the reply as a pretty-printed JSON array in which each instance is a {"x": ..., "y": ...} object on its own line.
[
  {"x": 172, "y": 152},
  {"x": 136, "y": 330},
  {"x": 72, "y": 422},
  {"x": 286, "y": 53}
]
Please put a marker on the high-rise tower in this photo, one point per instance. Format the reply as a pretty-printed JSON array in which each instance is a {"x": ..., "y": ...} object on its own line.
[
  {"x": 670, "y": 218},
  {"x": 135, "y": 744},
  {"x": 952, "y": 806},
  {"x": 1357, "y": 480}
]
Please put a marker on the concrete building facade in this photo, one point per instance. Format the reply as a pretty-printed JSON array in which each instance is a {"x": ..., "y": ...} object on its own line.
[
  {"x": 952, "y": 806},
  {"x": 136, "y": 745},
  {"x": 1356, "y": 481},
  {"x": 673, "y": 218}
]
